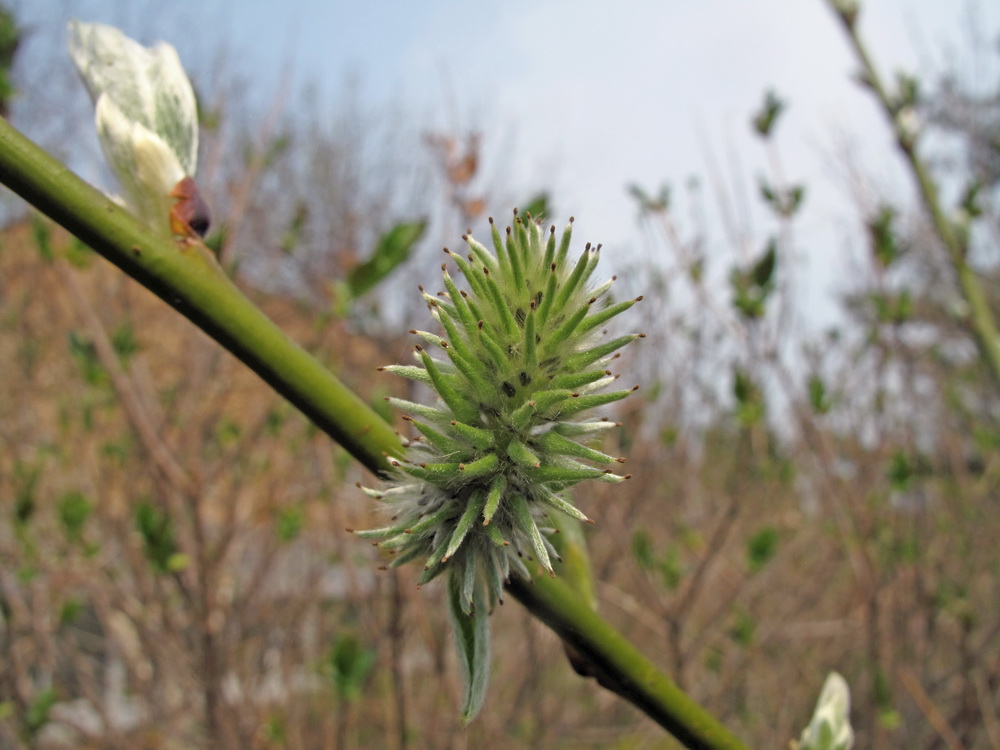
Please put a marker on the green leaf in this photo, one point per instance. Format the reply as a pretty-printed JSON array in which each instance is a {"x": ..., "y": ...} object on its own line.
[
  {"x": 649, "y": 204},
  {"x": 763, "y": 269},
  {"x": 885, "y": 245},
  {"x": 74, "y": 510},
  {"x": 79, "y": 254},
  {"x": 749, "y": 399},
  {"x": 26, "y": 481},
  {"x": 157, "y": 531},
  {"x": 901, "y": 471},
  {"x": 393, "y": 248},
  {"x": 37, "y": 715},
  {"x": 761, "y": 548},
  {"x": 752, "y": 286},
  {"x": 41, "y": 232},
  {"x": 85, "y": 353},
  {"x": 671, "y": 568},
  {"x": 642, "y": 548},
  {"x": 124, "y": 342},
  {"x": 818, "y": 397},
  {"x": 785, "y": 202},
  {"x": 538, "y": 207},
  {"x": 348, "y": 664},
  {"x": 70, "y": 611},
  {"x": 296, "y": 227},
  {"x": 908, "y": 90},
  {"x": 289, "y": 523},
  {"x": 765, "y": 120},
  {"x": 970, "y": 199},
  {"x": 742, "y": 629},
  {"x": 472, "y": 639}
]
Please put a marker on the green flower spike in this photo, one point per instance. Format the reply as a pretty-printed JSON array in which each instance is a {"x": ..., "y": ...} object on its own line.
[{"x": 524, "y": 357}]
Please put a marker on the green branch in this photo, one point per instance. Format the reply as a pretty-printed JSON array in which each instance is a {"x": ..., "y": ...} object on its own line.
[
  {"x": 981, "y": 321},
  {"x": 190, "y": 281},
  {"x": 618, "y": 666}
]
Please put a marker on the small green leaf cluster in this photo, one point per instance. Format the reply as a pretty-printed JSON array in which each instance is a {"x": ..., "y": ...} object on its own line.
[
  {"x": 752, "y": 286},
  {"x": 765, "y": 120},
  {"x": 522, "y": 357}
]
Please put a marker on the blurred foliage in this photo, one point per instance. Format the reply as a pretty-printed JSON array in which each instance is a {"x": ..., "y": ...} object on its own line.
[
  {"x": 538, "y": 207},
  {"x": 761, "y": 548},
  {"x": 885, "y": 246},
  {"x": 784, "y": 202},
  {"x": 74, "y": 510},
  {"x": 652, "y": 204},
  {"x": 752, "y": 286},
  {"x": 11, "y": 36},
  {"x": 392, "y": 249},
  {"x": 766, "y": 119},
  {"x": 37, "y": 715},
  {"x": 156, "y": 528},
  {"x": 348, "y": 664}
]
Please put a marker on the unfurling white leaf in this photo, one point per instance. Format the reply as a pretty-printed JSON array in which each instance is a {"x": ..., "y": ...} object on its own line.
[{"x": 147, "y": 118}]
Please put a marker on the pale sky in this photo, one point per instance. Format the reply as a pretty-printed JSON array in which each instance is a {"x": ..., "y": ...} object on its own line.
[{"x": 591, "y": 98}]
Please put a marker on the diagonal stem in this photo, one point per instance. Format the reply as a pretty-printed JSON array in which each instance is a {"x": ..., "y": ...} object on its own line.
[{"x": 188, "y": 279}]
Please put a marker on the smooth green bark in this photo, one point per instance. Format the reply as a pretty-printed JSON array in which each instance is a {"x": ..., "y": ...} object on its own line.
[{"x": 188, "y": 279}]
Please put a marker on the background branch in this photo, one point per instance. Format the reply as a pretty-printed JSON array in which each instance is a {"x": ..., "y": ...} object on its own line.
[{"x": 187, "y": 278}]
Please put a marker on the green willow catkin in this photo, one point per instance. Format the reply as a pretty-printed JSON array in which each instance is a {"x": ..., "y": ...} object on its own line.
[{"x": 522, "y": 356}]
